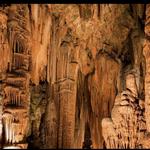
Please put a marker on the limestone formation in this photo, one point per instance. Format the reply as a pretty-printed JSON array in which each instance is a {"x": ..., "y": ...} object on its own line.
[
  {"x": 74, "y": 76},
  {"x": 127, "y": 125}
]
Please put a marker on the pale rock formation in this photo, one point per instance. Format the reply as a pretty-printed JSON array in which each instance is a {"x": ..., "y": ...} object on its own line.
[{"x": 126, "y": 129}]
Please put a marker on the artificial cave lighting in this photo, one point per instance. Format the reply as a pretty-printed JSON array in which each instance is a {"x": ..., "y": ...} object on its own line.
[
  {"x": 12, "y": 147},
  {"x": 74, "y": 76}
]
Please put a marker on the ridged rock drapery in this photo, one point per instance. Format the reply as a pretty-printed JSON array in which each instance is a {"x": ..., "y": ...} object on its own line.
[{"x": 74, "y": 75}]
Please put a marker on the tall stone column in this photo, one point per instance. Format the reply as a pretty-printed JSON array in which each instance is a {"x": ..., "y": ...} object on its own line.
[
  {"x": 146, "y": 51},
  {"x": 4, "y": 53}
]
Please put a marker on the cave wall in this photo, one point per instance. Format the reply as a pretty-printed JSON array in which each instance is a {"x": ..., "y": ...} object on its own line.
[{"x": 85, "y": 68}]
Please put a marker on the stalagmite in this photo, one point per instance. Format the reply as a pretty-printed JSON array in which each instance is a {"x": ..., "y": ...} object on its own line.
[
  {"x": 128, "y": 116},
  {"x": 146, "y": 51},
  {"x": 74, "y": 76}
]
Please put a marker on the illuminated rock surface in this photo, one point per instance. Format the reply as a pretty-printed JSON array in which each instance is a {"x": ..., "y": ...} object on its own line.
[{"x": 74, "y": 76}]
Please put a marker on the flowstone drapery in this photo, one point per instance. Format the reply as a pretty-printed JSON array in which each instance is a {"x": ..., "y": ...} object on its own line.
[
  {"x": 74, "y": 76},
  {"x": 126, "y": 127}
]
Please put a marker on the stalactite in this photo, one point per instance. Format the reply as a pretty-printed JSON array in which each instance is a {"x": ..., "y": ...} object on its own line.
[
  {"x": 13, "y": 95},
  {"x": 8, "y": 119},
  {"x": 72, "y": 38},
  {"x": 5, "y": 51},
  {"x": 146, "y": 51}
]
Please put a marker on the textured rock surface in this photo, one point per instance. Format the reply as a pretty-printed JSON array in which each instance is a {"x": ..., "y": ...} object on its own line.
[
  {"x": 127, "y": 127},
  {"x": 74, "y": 76}
]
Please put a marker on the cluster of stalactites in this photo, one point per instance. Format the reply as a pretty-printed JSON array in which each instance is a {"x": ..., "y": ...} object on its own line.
[
  {"x": 146, "y": 52},
  {"x": 40, "y": 46},
  {"x": 4, "y": 46},
  {"x": 18, "y": 25},
  {"x": 14, "y": 127},
  {"x": 14, "y": 96},
  {"x": 21, "y": 61}
]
